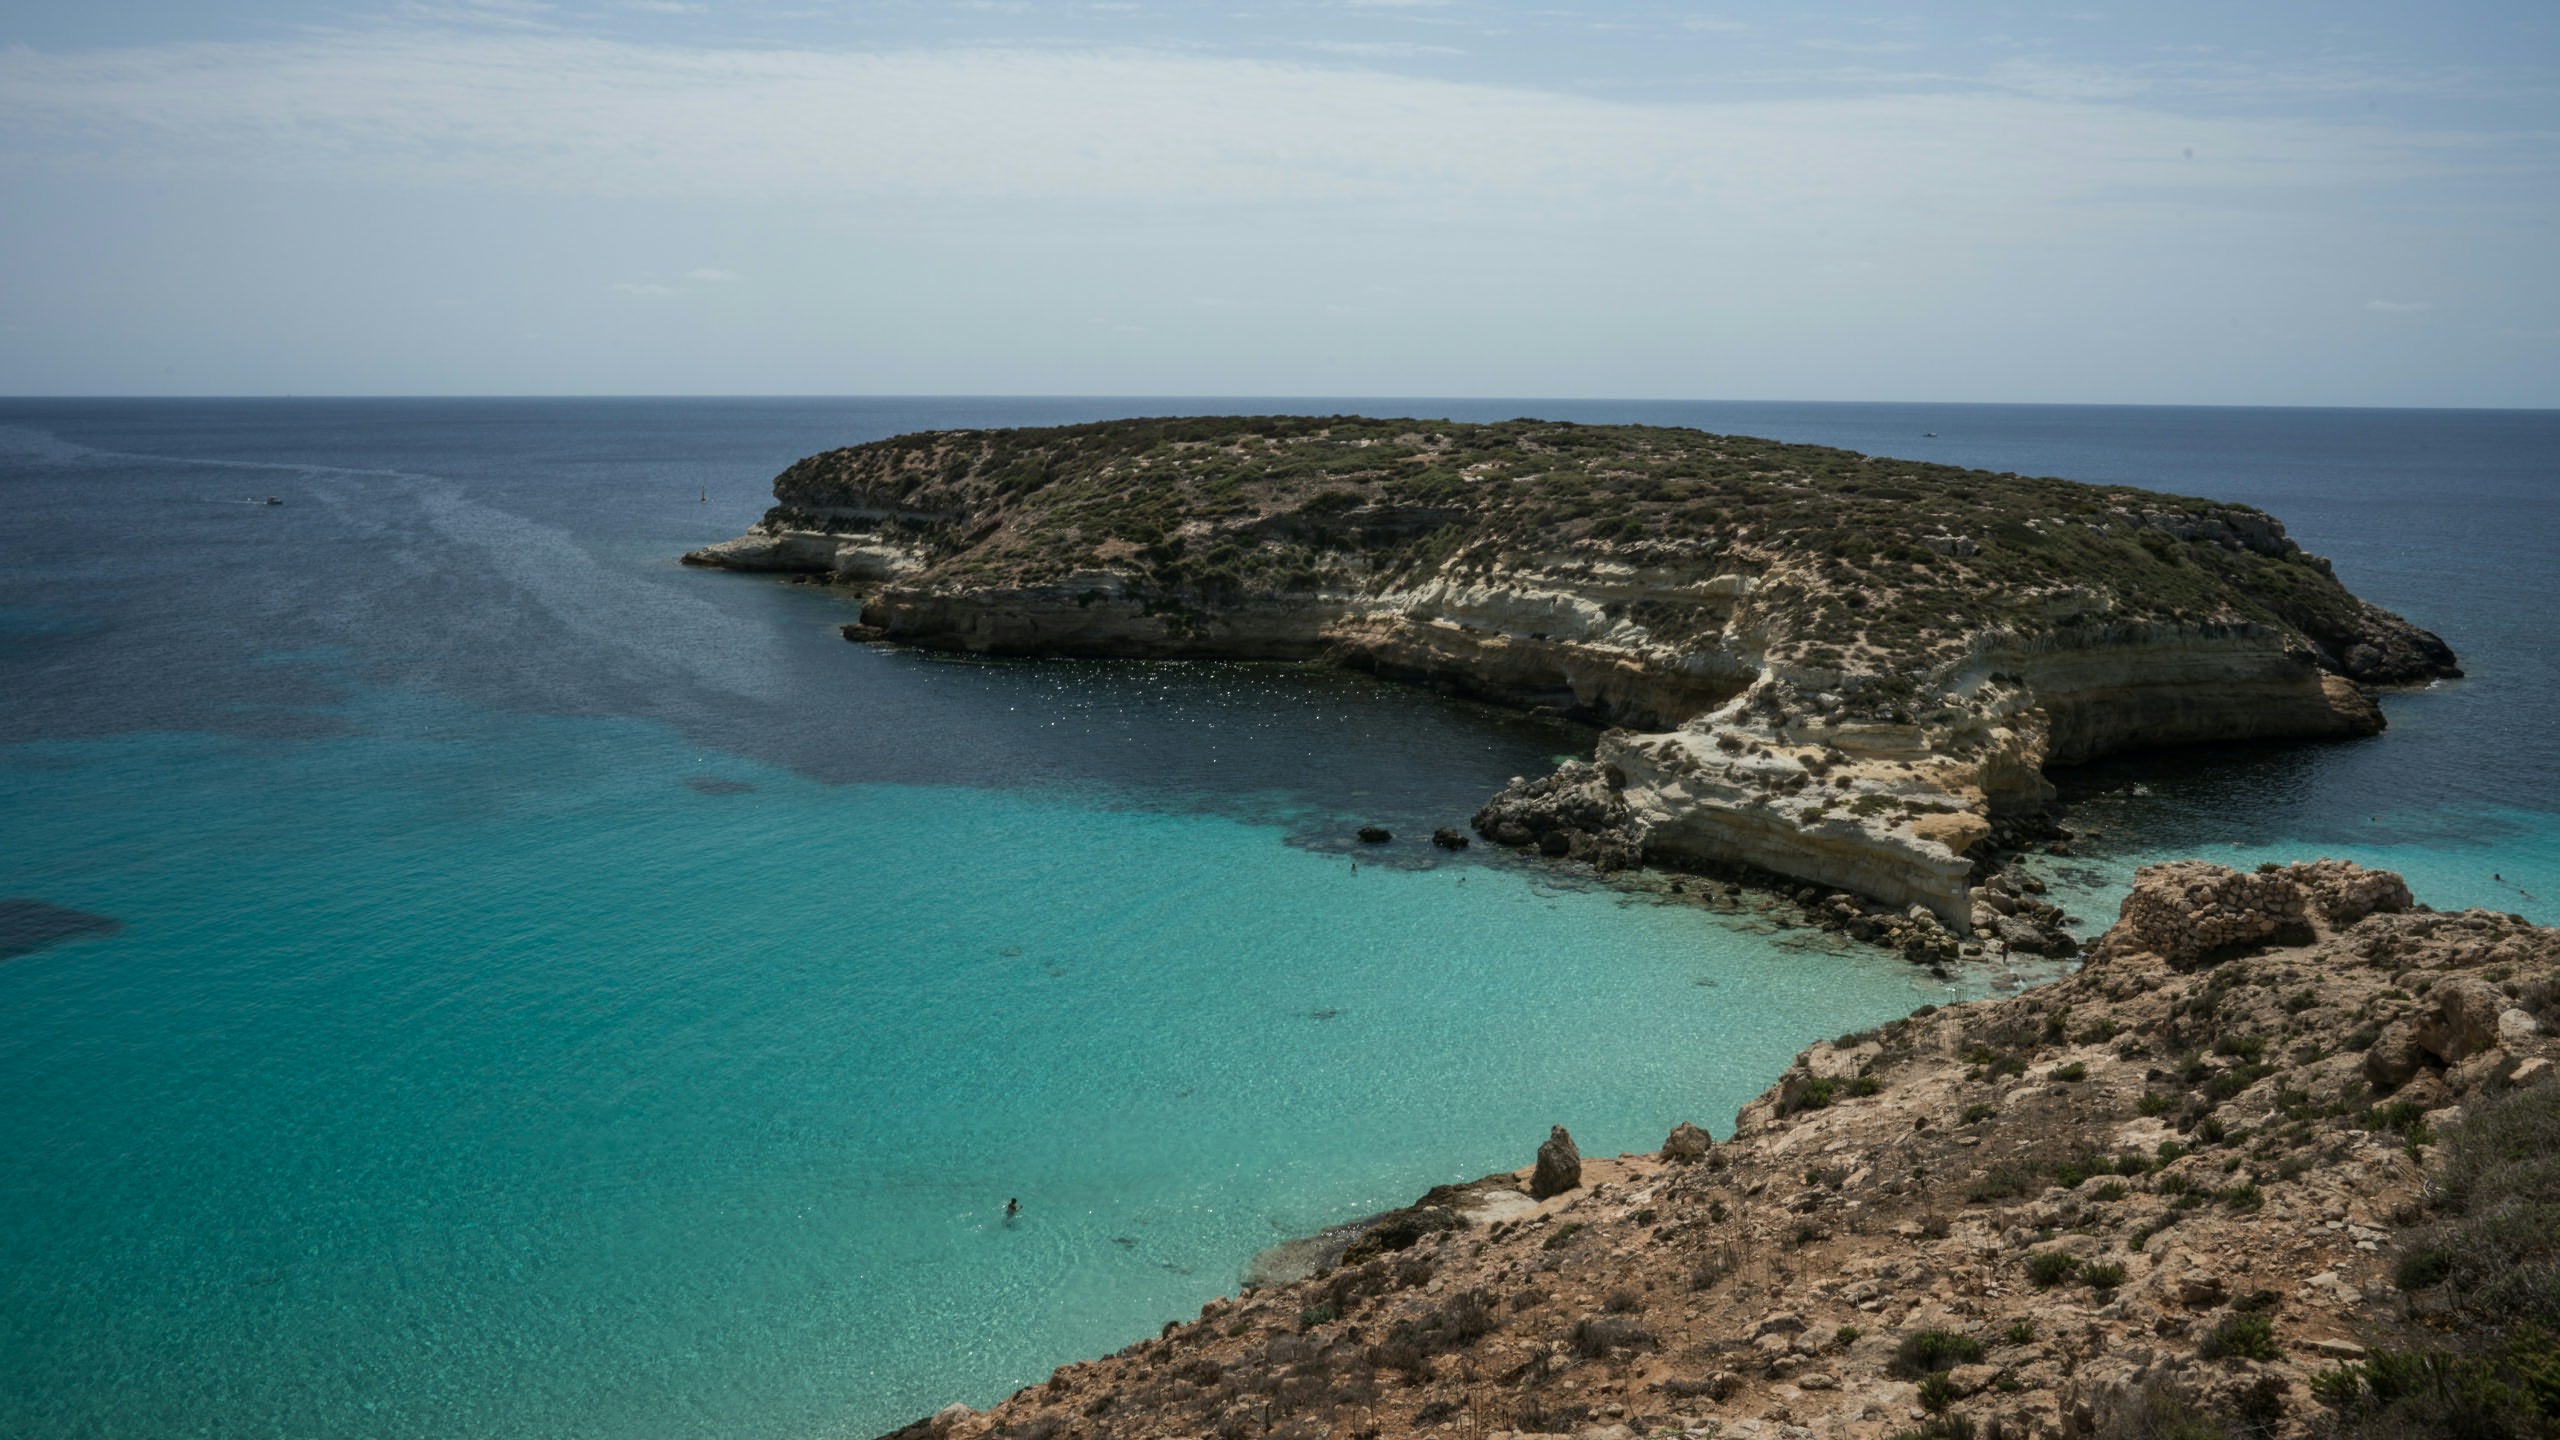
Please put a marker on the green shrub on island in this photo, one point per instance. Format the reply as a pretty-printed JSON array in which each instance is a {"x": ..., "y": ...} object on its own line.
[
  {"x": 1926, "y": 1352},
  {"x": 2495, "y": 1244},
  {"x": 2249, "y": 1336},
  {"x": 1873, "y": 555},
  {"x": 2048, "y": 1268}
]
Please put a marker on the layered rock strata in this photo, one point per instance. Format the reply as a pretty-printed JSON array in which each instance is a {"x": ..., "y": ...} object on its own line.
[
  {"x": 2196, "y": 1189},
  {"x": 1833, "y": 667}
]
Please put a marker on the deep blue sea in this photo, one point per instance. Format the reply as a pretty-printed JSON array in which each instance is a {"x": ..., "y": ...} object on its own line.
[{"x": 540, "y": 991}]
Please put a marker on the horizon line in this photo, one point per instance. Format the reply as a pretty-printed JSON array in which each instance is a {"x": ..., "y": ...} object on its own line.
[{"x": 1239, "y": 396}]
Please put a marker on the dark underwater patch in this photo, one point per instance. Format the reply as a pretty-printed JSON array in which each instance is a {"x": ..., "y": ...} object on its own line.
[
  {"x": 27, "y": 926},
  {"x": 714, "y": 785}
]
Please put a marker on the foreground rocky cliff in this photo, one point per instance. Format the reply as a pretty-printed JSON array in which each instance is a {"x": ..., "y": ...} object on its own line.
[
  {"x": 1838, "y": 668},
  {"x": 2279, "y": 1161}
]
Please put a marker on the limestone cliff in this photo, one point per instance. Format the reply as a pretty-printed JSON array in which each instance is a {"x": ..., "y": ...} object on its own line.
[
  {"x": 2275, "y": 1163},
  {"x": 1831, "y": 666}
]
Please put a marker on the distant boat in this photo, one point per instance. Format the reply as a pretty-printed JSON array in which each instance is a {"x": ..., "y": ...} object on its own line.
[
  {"x": 273, "y": 500},
  {"x": 1928, "y": 434}
]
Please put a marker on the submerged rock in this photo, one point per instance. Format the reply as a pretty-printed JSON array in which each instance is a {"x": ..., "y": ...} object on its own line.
[
  {"x": 27, "y": 926},
  {"x": 1448, "y": 839},
  {"x": 1375, "y": 835}
]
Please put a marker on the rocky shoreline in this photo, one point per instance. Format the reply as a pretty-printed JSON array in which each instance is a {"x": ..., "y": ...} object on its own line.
[
  {"x": 2272, "y": 1163},
  {"x": 2275, "y": 1162},
  {"x": 1846, "y": 671}
]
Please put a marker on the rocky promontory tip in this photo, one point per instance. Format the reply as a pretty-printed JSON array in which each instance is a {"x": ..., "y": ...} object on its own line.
[
  {"x": 1843, "y": 669},
  {"x": 2275, "y": 1164}
]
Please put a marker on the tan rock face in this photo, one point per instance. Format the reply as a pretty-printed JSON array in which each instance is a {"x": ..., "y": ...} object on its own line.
[
  {"x": 1726, "y": 790},
  {"x": 2341, "y": 893},
  {"x": 1686, "y": 1143},
  {"x": 2461, "y": 1019},
  {"x": 2395, "y": 1058},
  {"x": 2189, "y": 910},
  {"x": 1811, "y": 1274},
  {"x": 1955, "y": 834},
  {"x": 851, "y": 560}
]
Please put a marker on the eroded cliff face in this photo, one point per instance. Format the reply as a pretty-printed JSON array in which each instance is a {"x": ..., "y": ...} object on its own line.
[{"x": 1822, "y": 665}]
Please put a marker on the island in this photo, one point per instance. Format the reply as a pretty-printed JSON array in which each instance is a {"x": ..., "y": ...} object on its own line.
[{"x": 1835, "y": 668}]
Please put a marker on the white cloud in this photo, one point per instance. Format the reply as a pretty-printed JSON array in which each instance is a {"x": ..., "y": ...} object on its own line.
[
  {"x": 554, "y": 114},
  {"x": 1861, "y": 47},
  {"x": 1379, "y": 49},
  {"x": 2231, "y": 81},
  {"x": 505, "y": 14}
]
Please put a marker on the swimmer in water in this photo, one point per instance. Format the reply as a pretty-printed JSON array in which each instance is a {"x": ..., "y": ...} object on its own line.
[{"x": 1012, "y": 1207}]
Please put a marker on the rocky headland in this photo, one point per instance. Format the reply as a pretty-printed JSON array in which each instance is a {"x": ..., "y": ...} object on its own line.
[
  {"x": 1843, "y": 670},
  {"x": 2277, "y": 1161}
]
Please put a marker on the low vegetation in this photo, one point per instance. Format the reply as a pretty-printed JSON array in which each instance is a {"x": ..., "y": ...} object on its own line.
[{"x": 1869, "y": 557}]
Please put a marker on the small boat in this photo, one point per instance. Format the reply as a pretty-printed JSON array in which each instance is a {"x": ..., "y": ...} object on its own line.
[
  {"x": 271, "y": 500},
  {"x": 1928, "y": 434}
]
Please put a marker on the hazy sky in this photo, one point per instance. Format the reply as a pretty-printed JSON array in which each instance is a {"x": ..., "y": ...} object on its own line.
[{"x": 2329, "y": 202}]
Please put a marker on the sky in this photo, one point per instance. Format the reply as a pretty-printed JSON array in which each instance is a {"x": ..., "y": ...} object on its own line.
[{"x": 2241, "y": 202}]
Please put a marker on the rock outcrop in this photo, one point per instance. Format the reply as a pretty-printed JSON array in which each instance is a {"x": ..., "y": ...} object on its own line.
[
  {"x": 1559, "y": 1167},
  {"x": 2191, "y": 911},
  {"x": 1832, "y": 667},
  {"x": 2155, "y": 1198}
]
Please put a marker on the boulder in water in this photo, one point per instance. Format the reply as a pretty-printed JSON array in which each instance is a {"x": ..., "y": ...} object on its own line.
[
  {"x": 1448, "y": 839},
  {"x": 1375, "y": 835}
]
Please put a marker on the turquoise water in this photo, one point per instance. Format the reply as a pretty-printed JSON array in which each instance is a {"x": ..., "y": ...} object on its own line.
[
  {"x": 559, "y": 994},
  {"x": 481, "y": 1076}
]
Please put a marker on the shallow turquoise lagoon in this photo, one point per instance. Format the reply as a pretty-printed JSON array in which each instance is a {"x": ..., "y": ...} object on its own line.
[
  {"x": 562, "y": 995},
  {"x": 500, "y": 1076}
]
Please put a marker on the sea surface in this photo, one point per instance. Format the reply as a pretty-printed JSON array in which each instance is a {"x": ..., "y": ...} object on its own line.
[{"x": 462, "y": 974}]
